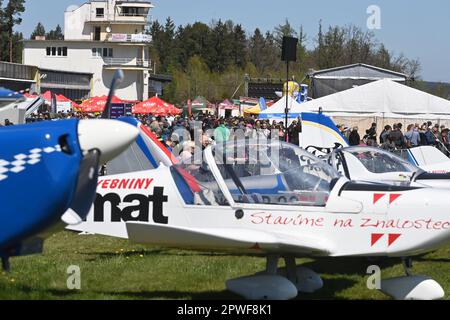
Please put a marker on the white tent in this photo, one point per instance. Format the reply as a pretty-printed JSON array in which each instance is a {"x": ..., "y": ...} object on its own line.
[
  {"x": 383, "y": 98},
  {"x": 277, "y": 110}
]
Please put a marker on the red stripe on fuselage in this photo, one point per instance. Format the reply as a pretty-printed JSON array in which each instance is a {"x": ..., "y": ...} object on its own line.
[{"x": 152, "y": 137}]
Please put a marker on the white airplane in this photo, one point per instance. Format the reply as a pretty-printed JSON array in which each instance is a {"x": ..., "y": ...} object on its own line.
[
  {"x": 277, "y": 200},
  {"x": 320, "y": 137},
  {"x": 428, "y": 158},
  {"x": 374, "y": 164}
]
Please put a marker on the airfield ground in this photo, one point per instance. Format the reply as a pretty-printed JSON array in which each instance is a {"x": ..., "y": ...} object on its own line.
[{"x": 114, "y": 269}]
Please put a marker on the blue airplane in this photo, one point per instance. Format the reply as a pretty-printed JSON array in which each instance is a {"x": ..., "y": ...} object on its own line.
[
  {"x": 48, "y": 172},
  {"x": 48, "y": 176}
]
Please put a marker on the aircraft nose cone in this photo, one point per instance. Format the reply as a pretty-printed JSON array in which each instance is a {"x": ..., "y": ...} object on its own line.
[{"x": 111, "y": 137}]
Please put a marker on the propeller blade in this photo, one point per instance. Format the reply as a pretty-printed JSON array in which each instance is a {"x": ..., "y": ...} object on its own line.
[
  {"x": 118, "y": 78},
  {"x": 86, "y": 186}
]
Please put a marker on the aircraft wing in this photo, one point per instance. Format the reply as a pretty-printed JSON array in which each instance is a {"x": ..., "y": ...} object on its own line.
[{"x": 239, "y": 239}]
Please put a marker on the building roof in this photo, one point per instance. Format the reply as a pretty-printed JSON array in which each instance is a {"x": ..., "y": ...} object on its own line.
[
  {"x": 161, "y": 77},
  {"x": 65, "y": 71},
  {"x": 359, "y": 71},
  {"x": 383, "y": 98},
  {"x": 128, "y": 43}
]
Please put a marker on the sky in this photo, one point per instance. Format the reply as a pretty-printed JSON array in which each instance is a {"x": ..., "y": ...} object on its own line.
[{"x": 418, "y": 29}]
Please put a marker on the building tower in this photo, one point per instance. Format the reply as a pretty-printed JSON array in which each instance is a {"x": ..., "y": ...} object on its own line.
[{"x": 100, "y": 37}]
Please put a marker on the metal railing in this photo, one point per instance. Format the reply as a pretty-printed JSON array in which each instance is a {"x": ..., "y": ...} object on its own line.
[
  {"x": 123, "y": 37},
  {"x": 126, "y": 62}
]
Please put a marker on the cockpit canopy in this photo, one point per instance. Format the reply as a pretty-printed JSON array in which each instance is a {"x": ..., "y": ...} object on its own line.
[
  {"x": 269, "y": 172},
  {"x": 378, "y": 161}
]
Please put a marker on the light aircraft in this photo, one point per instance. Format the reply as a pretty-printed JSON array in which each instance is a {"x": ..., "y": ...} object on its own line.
[
  {"x": 428, "y": 158},
  {"x": 48, "y": 173},
  {"x": 57, "y": 158},
  {"x": 374, "y": 164},
  {"x": 277, "y": 200},
  {"x": 320, "y": 137}
]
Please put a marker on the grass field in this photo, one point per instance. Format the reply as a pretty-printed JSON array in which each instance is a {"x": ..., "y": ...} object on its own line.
[{"x": 114, "y": 269}]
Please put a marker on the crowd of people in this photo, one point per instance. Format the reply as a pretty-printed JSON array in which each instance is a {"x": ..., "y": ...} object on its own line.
[
  {"x": 212, "y": 128},
  {"x": 394, "y": 138},
  {"x": 207, "y": 128}
]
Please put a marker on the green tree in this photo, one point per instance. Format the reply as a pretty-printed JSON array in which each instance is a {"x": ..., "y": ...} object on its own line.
[
  {"x": 211, "y": 60},
  {"x": 167, "y": 45},
  {"x": 56, "y": 34},
  {"x": 284, "y": 30},
  {"x": 193, "y": 40},
  {"x": 12, "y": 17},
  {"x": 39, "y": 31},
  {"x": 220, "y": 42},
  {"x": 239, "y": 46}
]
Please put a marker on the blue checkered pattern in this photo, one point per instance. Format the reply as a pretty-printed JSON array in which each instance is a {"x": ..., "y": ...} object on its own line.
[{"x": 23, "y": 161}]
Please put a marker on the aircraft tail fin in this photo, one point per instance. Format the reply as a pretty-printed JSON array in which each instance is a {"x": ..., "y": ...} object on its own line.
[
  {"x": 429, "y": 159},
  {"x": 320, "y": 135}
]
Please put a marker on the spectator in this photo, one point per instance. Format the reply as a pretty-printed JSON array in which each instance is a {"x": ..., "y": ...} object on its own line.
[
  {"x": 222, "y": 133},
  {"x": 354, "y": 138},
  {"x": 412, "y": 137},
  {"x": 429, "y": 136},
  {"x": 371, "y": 135},
  {"x": 423, "y": 136},
  {"x": 384, "y": 135},
  {"x": 396, "y": 137},
  {"x": 294, "y": 132}
]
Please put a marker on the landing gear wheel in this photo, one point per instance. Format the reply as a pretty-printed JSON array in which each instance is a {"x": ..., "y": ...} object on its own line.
[
  {"x": 407, "y": 266},
  {"x": 5, "y": 264}
]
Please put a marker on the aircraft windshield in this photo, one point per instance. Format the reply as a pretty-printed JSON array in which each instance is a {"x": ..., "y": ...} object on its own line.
[
  {"x": 274, "y": 173},
  {"x": 196, "y": 182},
  {"x": 380, "y": 161}
]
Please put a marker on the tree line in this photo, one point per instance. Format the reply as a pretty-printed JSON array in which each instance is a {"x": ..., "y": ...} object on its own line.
[
  {"x": 39, "y": 31},
  {"x": 11, "y": 41},
  {"x": 211, "y": 59},
  {"x": 11, "y": 45}
]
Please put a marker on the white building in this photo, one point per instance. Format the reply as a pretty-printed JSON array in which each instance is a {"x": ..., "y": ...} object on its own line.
[{"x": 100, "y": 37}]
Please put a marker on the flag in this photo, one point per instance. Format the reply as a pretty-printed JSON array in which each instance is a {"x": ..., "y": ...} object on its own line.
[
  {"x": 262, "y": 104},
  {"x": 54, "y": 107}
]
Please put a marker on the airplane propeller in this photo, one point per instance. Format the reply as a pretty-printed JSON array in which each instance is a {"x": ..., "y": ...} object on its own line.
[
  {"x": 118, "y": 78},
  {"x": 100, "y": 140}
]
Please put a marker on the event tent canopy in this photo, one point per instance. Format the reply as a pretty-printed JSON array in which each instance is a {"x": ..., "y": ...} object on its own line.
[
  {"x": 228, "y": 105},
  {"x": 155, "y": 106},
  {"x": 277, "y": 111},
  {"x": 383, "y": 98},
  {"x": 200, "y": 103},
  {"x": 47, "y": 96},
  {"x": 97, "y": 104},
  {"x": 253, "y": 110}
]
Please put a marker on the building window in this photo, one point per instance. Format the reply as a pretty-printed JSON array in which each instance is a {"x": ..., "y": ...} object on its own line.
[
  {"x": 108, "y": 52},
  {"x": 102, "y": 52},
  {"x": 100, "y": 12},
  {"x": 96, "y": 52},
  {"x": 56, "y": 51},
  {"x": 97, "y": 33}
]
